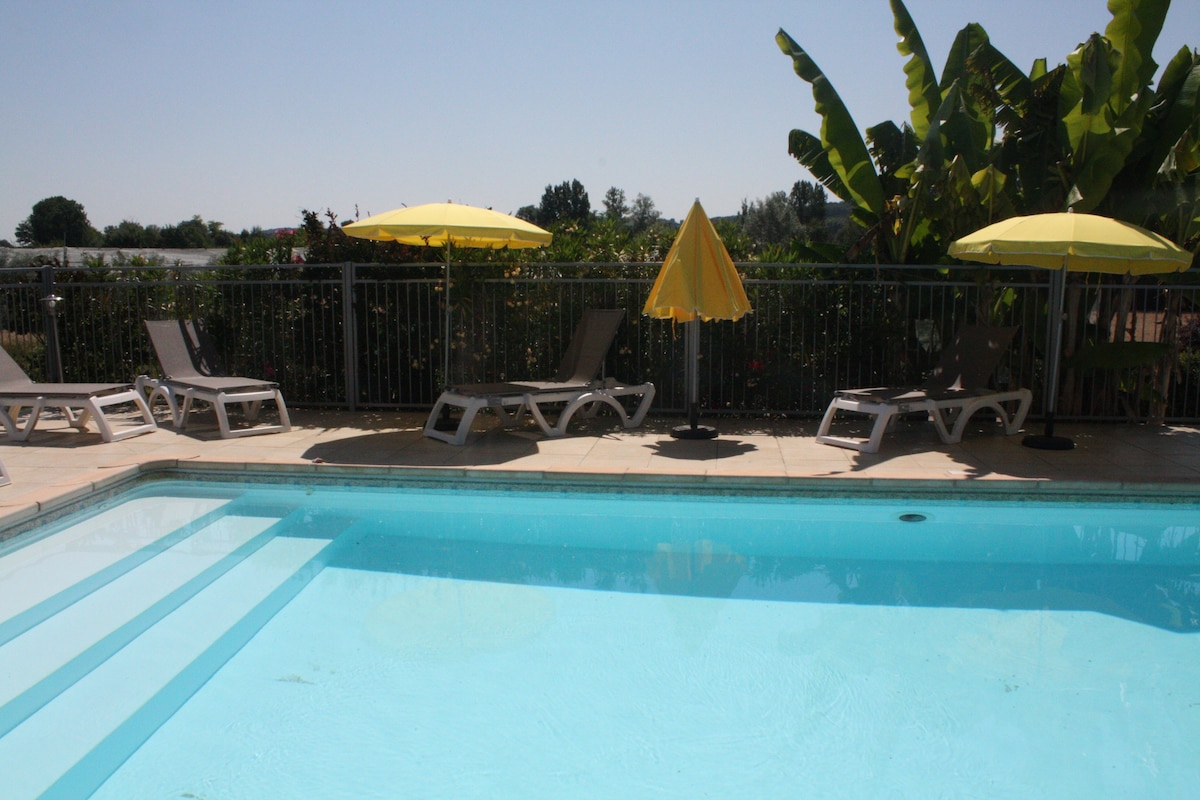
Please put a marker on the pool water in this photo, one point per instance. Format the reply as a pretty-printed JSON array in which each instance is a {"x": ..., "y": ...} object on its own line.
[{"x": 214, "y": 641}]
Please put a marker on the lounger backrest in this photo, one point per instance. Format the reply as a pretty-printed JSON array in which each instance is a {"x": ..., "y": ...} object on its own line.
[
  {"x": 203, "y": 348},
  {"x": 10, "y": 370},
  {"x": 589, "y": 345},
  {"x": 969, "y": 362},
  {"x": 182, "y": 348}
]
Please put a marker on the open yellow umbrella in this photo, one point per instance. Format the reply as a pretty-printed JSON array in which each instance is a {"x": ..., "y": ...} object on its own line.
[
  {"x": 697, "y": 281},
  {"x": 1069, "y": 242},
  {"x": 449, "y": 225}
]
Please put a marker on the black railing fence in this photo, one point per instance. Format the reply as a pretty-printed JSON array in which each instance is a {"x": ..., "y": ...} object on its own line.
[{"x": 367, "y": 336}]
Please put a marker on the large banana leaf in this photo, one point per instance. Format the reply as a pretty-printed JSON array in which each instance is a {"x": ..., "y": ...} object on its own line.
[
  {"x": 1176, "y": 113},
  {"x": 1099, "y": 139},
  {"x": 924, "y": 96},
  {"x": 966, "y": 42},
  {"x": 1133, "y": 30},
  {"x": 1011, "y": 86},
  {"x": 1163, "y": 156},
  {"x": 893, "y": 149},
  {"x": 1108, "y": 98},
  {"x": 840, "y": 138},
  {"x": 807, "y": 149}
]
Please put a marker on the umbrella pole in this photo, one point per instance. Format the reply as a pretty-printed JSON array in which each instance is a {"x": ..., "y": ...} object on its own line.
[
  {"x": 693, "y": 430},
  {"x": 446, "y": 347},
  {"x": 444, "y": 422},
  {"x": 1058, "y": 291}
]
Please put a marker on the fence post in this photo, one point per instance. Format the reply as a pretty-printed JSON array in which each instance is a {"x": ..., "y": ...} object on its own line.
[
  {"x": 349, "y": 336},
  {"x": 50, "y": 303}
]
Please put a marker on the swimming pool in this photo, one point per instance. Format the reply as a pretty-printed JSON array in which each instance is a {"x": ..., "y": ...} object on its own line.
[{"x": 204, "y": 639}]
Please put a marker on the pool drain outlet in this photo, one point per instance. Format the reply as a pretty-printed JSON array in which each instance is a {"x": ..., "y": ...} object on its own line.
[{"x": 912, "y": 517}]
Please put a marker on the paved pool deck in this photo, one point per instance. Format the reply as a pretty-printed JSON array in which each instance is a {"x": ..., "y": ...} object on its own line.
[{"x": 59, "y": 464}]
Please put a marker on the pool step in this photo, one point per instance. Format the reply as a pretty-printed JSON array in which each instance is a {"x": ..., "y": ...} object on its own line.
[
  {"x": 48, "y": 658},
  {"x": 45, "y": 576},
  {"x": 59, "y": 752}
]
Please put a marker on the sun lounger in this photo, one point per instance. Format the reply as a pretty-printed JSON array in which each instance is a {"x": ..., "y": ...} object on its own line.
[
  {"x": 188, "y": 363},
  {"x": 956, "y": 391},
  {"x": 79, "y": 402},
  {"x": 575, "y": 386}
]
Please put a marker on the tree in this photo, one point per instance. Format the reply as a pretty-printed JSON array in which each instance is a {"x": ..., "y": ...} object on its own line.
[
  {"x": 808, "y": 199},
  {"x": 326, "y": 243},
  {"x": 567, "y": 202},
  {"x": 129, "y": 234},
  {"x": 192, "y": 233},
  {"x": 771, "y": 221},
  {"x": 643, "y": 215},
  {"x": 615, "y": 207},
  {"x": 57, "y": 221}
]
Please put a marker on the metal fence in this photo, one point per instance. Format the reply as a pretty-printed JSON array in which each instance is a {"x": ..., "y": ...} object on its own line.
[{"x": 368, "y": 336}]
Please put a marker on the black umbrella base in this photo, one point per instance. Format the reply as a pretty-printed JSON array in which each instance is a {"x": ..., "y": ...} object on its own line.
[
  {"x": 1046, "y": 442},
  {"x": 694, "y": 432}
]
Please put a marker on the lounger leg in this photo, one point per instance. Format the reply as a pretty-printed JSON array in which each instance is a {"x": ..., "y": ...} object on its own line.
[
  {"x": 827, "y": 422},
  {"x": 560, "y": 428},
  {"x": 185, "y": 408},
  {"x": 590, "y": 401},
  {"x": 512, "y": 419},
  {"x": 252, "y": 409},
  {"x": 222, "y": 415},
  {"x": 470, "y": 409},
  {"x": 285, "y": 422},
  {"x": 11, "y": 418},
  {"x": 884, "y": 413},
  {"x": 95, "y": 407},
  {"x": 590, "y": 404},
  {"x": 946, "y": 418},
  {"x": 92, "y": 409},
  {"x": 166, "y": 394},
  {"x": 1011, "y": 422},
  {"x": 647, "y": 391},
  {"x": 79, "y": 420}
]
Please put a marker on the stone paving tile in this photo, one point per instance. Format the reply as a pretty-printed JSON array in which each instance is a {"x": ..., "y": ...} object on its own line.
[{"x": 59, "y": 461}]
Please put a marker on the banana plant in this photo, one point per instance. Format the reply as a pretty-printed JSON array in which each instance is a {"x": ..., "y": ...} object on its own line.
[
  {"x": 1159, "y": 186},
  {"x": 1106, "y": 99},
  {"x": 897, "y": 174},
  {"x": 838, "y": 158}
]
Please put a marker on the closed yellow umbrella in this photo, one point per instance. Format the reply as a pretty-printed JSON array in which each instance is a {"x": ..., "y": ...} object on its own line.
[
  {"x": 697, "y": 281},
  {"x": 697, "y": 278},
  {"x": 1068, "y": 242},
  {"x": 450, "y": 225}
]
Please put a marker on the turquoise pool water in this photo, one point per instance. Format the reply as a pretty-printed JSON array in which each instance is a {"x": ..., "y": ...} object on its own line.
[{"x": 208, "y": 640}]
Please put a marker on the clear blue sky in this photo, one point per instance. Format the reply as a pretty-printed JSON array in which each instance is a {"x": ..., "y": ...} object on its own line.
[{"x": 247, "y": 112}]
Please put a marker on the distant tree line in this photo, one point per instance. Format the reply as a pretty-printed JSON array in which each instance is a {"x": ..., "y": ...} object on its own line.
[
  {"x": 57, "y": 221},
  {"x": 781, "y": 226}
]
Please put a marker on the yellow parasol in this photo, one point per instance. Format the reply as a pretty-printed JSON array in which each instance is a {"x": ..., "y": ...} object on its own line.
[
  {"x": 697, "y": 281},
  {"x": 1069, "y": 242},
  {"x": 449, "y": 225}
]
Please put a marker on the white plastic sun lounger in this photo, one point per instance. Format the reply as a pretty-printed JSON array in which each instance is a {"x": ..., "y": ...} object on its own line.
[
  {"x": 575, "y": 387},
  {"x": 955, "y": 392},
  {"x": 188, "y": 363},
  {"x": 79, "y": 402}
]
